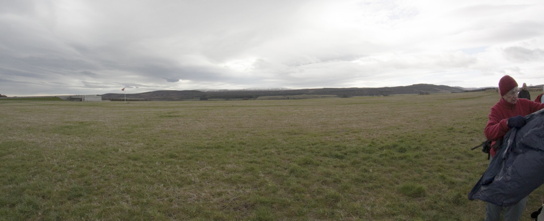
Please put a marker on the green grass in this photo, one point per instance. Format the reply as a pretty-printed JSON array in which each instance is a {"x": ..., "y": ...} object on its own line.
[{"x": 404, "y": 157}]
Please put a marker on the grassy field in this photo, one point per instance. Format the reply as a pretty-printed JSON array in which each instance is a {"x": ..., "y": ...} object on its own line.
[{"x": 403, "y": 157}]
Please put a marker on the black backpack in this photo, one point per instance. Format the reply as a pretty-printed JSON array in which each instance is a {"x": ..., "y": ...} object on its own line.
[{"x": 486, "y": 146}]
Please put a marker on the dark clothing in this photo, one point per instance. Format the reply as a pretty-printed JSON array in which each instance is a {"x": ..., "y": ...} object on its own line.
[
  {"x": 497, "y": 125},
  {"x": 524, "y": 94},
  {"x": 517, "y": 168}
]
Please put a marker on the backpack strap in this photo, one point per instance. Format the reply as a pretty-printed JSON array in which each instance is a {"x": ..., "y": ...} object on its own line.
[{"x": 486, "y": 147}]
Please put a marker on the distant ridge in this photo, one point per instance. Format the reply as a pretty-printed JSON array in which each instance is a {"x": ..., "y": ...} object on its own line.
[{"x": 172, "y": 95}]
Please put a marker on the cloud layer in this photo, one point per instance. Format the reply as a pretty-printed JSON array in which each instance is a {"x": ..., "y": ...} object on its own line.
[{"x": 98, "y": 46}]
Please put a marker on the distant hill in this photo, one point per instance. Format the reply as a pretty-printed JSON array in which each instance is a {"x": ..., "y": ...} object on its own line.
[{"x": 170, "y": 95}]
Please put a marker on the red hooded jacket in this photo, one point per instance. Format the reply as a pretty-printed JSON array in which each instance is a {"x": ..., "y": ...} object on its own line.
[
  {"x": 539, "y": 98},
  {"x": 497, "y": 125}
]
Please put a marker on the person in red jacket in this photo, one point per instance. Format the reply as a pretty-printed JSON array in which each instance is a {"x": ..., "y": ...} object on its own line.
[{"x": 508, "y": 113}]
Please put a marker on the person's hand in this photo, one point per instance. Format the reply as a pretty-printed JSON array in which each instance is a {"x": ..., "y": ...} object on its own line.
[{"x": 517, "y": 122}]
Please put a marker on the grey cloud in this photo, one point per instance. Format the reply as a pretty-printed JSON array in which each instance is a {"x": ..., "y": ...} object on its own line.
[
  {"x": 95, "y": 85},
  {"x": 476, "y": 10},
  {"x": 99, "y": 45},
  {"x": 12, "y": 73},
  {"x": 42, "y": 67},
  {"x": 521, "y": 54},
  {"x": 26, "y": 7},
  {"x": 497, "y": 23},
  {"x": 171, "y": 72},
  {"x": 518, "y": 30},
  {"x": 88, "y": 73},
  {"x": 172, "y": 80}
]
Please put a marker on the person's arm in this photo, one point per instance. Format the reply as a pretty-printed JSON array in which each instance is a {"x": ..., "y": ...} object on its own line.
[
  {"x": 539, "y": 106},
  {"x": 534, "y": 106},
  {"x": 539, "y": 99},
  {"x": 496, "y": 126}
]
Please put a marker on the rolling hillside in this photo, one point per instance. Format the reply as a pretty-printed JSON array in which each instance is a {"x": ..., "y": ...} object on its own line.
[{"x": 170, "y": 95}]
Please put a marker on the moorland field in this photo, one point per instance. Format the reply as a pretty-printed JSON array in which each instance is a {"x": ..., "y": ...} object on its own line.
[{"x": 400, "y": 157}]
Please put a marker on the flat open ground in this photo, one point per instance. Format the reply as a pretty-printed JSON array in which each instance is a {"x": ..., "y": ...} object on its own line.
[{"x": 402, "y": 157}]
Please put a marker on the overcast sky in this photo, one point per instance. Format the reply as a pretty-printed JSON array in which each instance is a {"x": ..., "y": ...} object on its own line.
[{"x": 100, "y": 46}]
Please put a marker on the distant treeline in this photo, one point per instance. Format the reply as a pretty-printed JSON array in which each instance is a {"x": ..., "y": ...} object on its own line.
[
  {"x": 255, "y": 94},
  {"x": 36, "y": 98}
]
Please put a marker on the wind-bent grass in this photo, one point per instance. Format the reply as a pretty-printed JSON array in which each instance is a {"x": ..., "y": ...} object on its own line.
[{"x": 404, "y": 157}]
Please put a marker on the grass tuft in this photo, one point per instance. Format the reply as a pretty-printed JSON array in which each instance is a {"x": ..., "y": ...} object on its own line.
[{"x": 413, "y": 190}]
